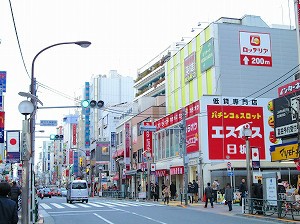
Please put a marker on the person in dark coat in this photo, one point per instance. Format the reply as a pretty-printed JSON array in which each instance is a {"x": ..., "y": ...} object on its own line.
[
  {"x": 229, "y": 196},
  {"x": 156, "y": 192},
  {"x": 242, "y": 189},
  {"x": 8, "y": 208},
  {"x": 15, "y": 192},
  {"x": 173, "y": 191},
  {"x": 258, "y": 195},
  {"x": 209, "y": 195},
  {"x": 196, "y": 195}
]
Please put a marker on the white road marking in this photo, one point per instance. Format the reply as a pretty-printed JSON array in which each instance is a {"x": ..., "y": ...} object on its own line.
[
  {"x": 83, "y": 205},
  {"x": 108, "y": 205},
  {"x": 118, "y": 204},
  {"x": 103, "y": 218},
  {"x": 95, "y": 205},
  {"x": 45, "y": 206},
  {"x": 56, "y": 205},
  {"x": 69, "y": 205}
]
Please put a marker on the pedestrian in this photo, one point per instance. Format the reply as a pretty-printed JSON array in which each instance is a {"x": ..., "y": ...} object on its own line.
[
  {"x": 281, "y": 189},
  {"x": 242, "y": 189},
  {"x": 191, "y": 192},
  {"x": 166, "y": 193},
  {"x": 173, "y": 190},
  {"x": 196, "y": 190},
  {"x": 156, "y": 192},
  {"x": 209, "y": 195},
  {"x": 15, "y": 192},
  {"x": 258, "y": 195},
  {"x": 216, "y": 188},
  {"x": 8, "y": 208},
  {"x": 229, "y": 196}
]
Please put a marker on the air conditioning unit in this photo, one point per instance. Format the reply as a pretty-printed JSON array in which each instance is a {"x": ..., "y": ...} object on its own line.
[{"x": 103, "y": 139}]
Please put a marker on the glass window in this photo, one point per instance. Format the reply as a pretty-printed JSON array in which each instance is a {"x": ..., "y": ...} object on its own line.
[
  {"x": 79, "y": 186},
  {"x": 167, "y": 143}
]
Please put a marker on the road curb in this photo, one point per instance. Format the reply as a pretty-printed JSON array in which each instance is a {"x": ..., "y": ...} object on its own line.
[{"x": 268, "y": 218}]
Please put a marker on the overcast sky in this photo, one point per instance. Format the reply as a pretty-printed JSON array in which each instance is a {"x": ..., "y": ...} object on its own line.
[{"x": 125, "y": 35}]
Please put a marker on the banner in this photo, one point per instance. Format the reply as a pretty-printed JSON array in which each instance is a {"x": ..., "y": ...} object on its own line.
[
  {"x": 127, "y": 146},
  {"x": 13, "y": 146},
  {"x": 148, "y": 144},
  {"x": 192, "y": 135}
]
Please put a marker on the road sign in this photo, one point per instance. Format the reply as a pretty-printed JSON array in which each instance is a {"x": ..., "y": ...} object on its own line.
[
  {"x": 147, "y": 128},
  {"x": 229, "y": 165},
  {"x": 48, "y": 123},
  {"x": 230, "y": 173}
]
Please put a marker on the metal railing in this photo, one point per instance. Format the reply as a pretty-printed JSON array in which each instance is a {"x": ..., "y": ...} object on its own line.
[{"x": 282, "y": 208}]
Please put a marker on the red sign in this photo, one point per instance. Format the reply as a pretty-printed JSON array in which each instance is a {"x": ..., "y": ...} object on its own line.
[
  {"x": 298, "y": 10},
  {"x": 255, "y": 49},
  {"x": 71, "y": 156},
  {"x": 289, "y": 88},
  {"x": 161, "y": 173},
  {"x": 176, "y": 170},
  {"x": 192, "y": 132},
  {"x": 224, "y": 141},
  {"x": 127, "y": 147},
  {"x": 148, "y": 139},
  {"x": 74, "y": 128},
  {"x": 2, "y": 115}
]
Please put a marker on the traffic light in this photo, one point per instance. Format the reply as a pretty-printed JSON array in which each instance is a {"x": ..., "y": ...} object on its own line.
[
  {"x": 56, "y": 137},
  {"x": 80, "y": 161},
  {"x": 92, "y": 104}
]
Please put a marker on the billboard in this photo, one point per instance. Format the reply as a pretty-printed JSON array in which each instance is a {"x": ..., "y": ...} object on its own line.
[
  {"x": 285, "y": 115},
  {"x": 192, "y": 135},
  {"x": 289, "y": 88},
  {"x": 148, "y": 143},
  {"x": 255, "y": 49},
  {"x": 222, "y": 115}
]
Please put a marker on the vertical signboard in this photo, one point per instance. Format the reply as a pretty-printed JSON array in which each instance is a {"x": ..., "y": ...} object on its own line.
[
  {"x": 2, "y": 119},
  {"x": 3, "y": 81},
  {"x": 71, "y": 156},
  {"x": 190, "y": 67},
  {"x": 75, "y": 166},
  {"x": 127, "y": 146},
  {"x": 192, "y": 135},
  {"x": 87, "y": 116},
  {"x": 13, "y": 146},
  {"x": 255, "y": 49},
  {"x": 207, "y": 55},
  {"x": 148, "y": 139},
  {"x": 74, "y": 134},
  {"x": 223, "y": 139}
]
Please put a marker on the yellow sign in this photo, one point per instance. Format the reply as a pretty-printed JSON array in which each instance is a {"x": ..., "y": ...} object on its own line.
[{"x": 286, "y": 152}]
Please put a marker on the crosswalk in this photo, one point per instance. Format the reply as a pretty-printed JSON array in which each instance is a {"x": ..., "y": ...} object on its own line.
[{"x": 97, "y": 204}]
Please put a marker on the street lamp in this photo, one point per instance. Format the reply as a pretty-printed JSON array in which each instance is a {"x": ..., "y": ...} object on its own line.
[
  {"x": 25, "y": 108},
  {"x": 34, "y": 101}
]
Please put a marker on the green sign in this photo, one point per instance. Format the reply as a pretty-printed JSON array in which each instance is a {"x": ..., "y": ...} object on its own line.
[{"x": 207, "y": 55}]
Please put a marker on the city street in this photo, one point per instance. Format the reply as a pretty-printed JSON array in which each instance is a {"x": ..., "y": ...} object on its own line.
[{"x": 57, "y": 211}]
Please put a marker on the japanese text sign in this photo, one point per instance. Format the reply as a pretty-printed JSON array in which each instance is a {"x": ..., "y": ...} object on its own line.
[
  {"x": 192, "y": 136},
  {"x": 148, "y": 139},
  {"x": 223, "y": 139},
  {"x": 255, "y": 49},
  {"x": 289, "y": 88},
  {"x": 190, "y": 67}
]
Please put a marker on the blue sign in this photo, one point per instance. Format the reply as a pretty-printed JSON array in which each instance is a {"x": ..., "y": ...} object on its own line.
[
  {"x": 3, "y": 80},
  {"x": 113, "y": 139},
  {"x": 75, "y": 167},
  {"x": 48, "y": 123},
  {"x": 230, "y": 173},
  {"x": 1, "y": 135}
]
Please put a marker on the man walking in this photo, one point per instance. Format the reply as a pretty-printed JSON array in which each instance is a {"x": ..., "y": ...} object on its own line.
[
  {"x": 196, "y": 195},
  {"x": 209, "y": 195},
  {"x": 242, "y": 189},
  {"x": 173, "y": 191}
]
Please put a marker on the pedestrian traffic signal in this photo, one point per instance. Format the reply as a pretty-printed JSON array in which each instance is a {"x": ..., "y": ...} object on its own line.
[
  {"x": 56, "y": 137},
  {"x": 92, "y": 103}
]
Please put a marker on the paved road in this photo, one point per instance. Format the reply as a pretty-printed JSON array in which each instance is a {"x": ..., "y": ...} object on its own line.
[{"x": 103, "y": 211}]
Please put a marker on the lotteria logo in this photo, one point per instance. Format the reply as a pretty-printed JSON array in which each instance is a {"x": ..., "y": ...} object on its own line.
[{"x": 254, "y": 40}]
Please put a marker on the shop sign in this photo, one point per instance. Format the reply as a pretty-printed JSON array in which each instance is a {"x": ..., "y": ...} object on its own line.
[
  {"x": 283, "y": 152},
  {"x": 224, "y": 141},
  {"x": 127, "y": 147},
  {"x": 255, "y": 49},
  {"x": 148, "y": 144},
  {"x": 207, "y": 55},
  {"x": 161, "y": 173},
  {"x": 190, "y": 67},
  {"x": 176, "y": 170},
  {"x": 289, "y": 88},
  {"x": 192, "y": 136}
]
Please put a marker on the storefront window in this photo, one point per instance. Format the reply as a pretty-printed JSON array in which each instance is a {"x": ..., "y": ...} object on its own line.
[
  {"x": 163, "y": 143},
  {"x": 159, "y": 145},
  {"x": 167, "y": 143}
]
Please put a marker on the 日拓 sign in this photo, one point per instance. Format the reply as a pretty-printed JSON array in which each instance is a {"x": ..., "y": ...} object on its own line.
[{"x": 48, "y": 123}]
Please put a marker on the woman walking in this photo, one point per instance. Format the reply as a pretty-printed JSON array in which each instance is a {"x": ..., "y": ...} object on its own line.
[
  {"x": 229, "y": 196},
  {"x": 166, "y": 193}
]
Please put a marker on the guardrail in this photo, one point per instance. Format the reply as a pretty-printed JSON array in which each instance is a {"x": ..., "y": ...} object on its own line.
[{"x": 276, "y": 208}]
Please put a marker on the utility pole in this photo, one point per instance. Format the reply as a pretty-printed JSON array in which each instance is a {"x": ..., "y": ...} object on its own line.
[{"x": 185, "y": 159}]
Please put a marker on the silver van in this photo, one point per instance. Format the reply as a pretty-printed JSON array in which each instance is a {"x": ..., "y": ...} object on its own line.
[{"x": 77, "y": 191}]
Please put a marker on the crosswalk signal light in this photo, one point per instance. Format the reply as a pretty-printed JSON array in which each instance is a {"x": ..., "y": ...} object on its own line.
[{"x": 92, "y": 104}]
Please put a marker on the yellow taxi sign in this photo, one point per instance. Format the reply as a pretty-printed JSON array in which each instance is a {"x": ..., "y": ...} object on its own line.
[{"x": 284, "y": 152}]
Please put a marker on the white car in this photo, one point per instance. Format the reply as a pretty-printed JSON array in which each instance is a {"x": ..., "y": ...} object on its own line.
[{"x": 63, "y": 192}]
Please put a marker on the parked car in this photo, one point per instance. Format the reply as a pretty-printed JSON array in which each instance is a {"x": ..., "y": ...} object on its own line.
[{"x": 63, "y": 192}]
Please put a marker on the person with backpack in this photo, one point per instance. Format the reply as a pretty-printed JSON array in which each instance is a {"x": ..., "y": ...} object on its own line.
[{"x": 209, "y": 195}]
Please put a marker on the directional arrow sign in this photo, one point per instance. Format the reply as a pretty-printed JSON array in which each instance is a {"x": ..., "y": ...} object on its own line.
[{"x": 246, "y": 60}]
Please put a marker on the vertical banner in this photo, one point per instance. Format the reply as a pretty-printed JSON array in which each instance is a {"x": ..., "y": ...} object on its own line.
[
  {"x": 2, "y": 116},
  {"x": 74, "y": 134},
  {"x": 148, "y": 140},
  {"x": 75, "y": 166},
  {"x": 71, "y": 156},
  {"x": 127, "y": 146},
  {"x": 192, "y": 135},
  {"x": 3, "y": 81},
  {"x": 13, "y": 146},
  {"x": 255, "y": 157}
]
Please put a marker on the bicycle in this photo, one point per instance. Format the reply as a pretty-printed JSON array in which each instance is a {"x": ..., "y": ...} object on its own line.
[{"x": 269, "y": 209}]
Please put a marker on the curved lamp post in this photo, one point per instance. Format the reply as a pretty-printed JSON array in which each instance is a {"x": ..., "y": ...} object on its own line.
[{"x": 34, "y": 100}]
